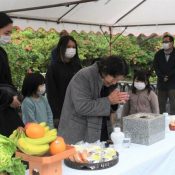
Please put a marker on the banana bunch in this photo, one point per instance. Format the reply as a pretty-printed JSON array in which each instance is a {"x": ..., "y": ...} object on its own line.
[
  {"x": 35, "y": 147},
  {"x": 17, "y": 134},
  {"x": 30, "y": 149}
]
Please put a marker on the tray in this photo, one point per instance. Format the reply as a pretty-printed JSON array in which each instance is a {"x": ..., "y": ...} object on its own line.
[{"x": 92, "y": 166}]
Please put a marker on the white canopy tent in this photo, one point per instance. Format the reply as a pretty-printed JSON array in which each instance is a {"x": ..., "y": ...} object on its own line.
[{"x": 116, "y": 16}]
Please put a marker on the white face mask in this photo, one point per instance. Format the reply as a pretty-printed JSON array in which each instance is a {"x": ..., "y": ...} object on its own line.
[
  {"x": 166, "y": 46},
  {"x": 139, "y": 85},
  {"x": 41, "y": 90},
  {"x": 4, "y": 39},
  {"x": 70, "y": 52}
]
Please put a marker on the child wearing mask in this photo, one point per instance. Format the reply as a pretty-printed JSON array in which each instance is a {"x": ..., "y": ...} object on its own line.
[
  {"x": 142, "y": 98},
  {"x": 35, "y": 107}
]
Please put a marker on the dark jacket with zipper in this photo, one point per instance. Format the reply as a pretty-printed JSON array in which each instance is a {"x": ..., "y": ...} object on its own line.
[
  {"x": 165, "y": 68},
  {"x": 58, "y": 77},
  {"x": 9, "y": 118},
  {"x": 5, "y": 74}
]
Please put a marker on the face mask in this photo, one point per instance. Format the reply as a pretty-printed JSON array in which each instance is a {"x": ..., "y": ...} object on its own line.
[
  {"x": 41, "y": 90},
  {"x": 139, "y": 85},
  {"x": 5, "y": 39},
  {"x": 70, "y": 52},
  {"x": 166, "y": 46}
]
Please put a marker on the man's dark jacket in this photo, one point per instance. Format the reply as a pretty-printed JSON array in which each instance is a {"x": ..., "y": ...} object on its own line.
[{"x": 165, "y": 68}]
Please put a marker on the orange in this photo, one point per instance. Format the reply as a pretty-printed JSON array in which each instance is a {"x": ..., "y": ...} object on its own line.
[
  {"x": 34, "y": 131},
  {"x": 57, "y": 146},
  {"x": 27, "y": 125}
]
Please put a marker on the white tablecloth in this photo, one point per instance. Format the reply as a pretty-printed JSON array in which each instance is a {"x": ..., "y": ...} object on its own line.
[{"x": 156, "y": 159}]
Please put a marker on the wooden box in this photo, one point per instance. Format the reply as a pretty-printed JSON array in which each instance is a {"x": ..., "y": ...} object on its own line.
[{"x": 46, "y": 165}]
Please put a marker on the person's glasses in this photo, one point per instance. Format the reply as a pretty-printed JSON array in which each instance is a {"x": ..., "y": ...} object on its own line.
[{"x": 166, "y": 41}]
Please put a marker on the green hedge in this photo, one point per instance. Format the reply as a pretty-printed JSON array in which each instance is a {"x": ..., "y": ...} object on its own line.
[{"x": 32, "y": 49}]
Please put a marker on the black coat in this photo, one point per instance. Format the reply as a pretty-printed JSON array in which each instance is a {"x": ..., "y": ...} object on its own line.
[
  {"x": 9, "y": 118},
  {"x": 165, "y": 68},
  {"x": 58, "y": 77},
  {"x": 5, "y": 74}
]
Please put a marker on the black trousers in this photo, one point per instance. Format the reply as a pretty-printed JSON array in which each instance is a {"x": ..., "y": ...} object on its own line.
[{"x": 163, "y": 97}]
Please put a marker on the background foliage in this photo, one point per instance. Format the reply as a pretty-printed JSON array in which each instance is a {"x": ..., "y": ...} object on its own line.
[{"x": 31, "y": 49}]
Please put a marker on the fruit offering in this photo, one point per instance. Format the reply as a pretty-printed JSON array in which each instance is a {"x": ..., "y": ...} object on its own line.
[
  {"x": 34, "y": 139},
  {"x": 57, "y": 146},
  {"x": 34, "y": 130}
]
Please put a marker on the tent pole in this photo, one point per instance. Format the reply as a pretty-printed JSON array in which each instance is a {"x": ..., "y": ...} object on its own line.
[
  {"x": 146, "y": 25},
  {"x": 66, "y": 13},
  {"x": 56, "y": 21},
  {"x": 119, "y": 35},
  {"x": 104, "y": 34},
  {"x": 48, "y": 6},
  {"x": 139, "y": 4},
  {"x": 110, "y": 40}
]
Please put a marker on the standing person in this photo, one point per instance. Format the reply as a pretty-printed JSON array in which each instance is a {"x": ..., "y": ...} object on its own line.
[
  {"x": 87, "y": 107},
  {"x": 65, "y": 63},
  {"x": 9, "y": 118},
  {"x": 141, "y": 97},
  {"x": 164, "y": 65},
  {"x": 35, "y": 107}
]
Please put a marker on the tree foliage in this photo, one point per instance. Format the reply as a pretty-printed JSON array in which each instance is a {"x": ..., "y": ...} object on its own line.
[{"x": 32, "y": 49}]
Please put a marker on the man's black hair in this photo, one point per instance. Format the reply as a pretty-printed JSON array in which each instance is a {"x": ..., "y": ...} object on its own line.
[
  {"x": 170, "y": 37},
  {"x": 31, "y": 83},
  {"x": 113, "y": 66},
  {"x": 4, "y": 20}
]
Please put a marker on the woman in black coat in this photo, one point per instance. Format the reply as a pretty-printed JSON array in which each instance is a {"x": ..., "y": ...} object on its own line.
[
  {"x": 64, "y": 64},
  {"x": 9, "y": 118}
]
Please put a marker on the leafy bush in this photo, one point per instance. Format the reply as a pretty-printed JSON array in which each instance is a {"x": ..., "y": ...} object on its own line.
[{"x": 31, "y": 49}]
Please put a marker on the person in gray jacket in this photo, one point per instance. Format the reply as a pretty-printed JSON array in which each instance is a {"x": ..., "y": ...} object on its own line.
[{"x": 85, "y": 107}]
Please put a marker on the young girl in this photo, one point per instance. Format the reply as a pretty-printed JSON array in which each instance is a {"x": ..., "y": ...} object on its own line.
[
  {"x": 142, "y": 98},
  {"x": 35, "y": 107}
]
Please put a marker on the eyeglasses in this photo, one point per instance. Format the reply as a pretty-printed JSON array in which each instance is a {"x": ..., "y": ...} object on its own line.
[{"x": 166, "y": 41}]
